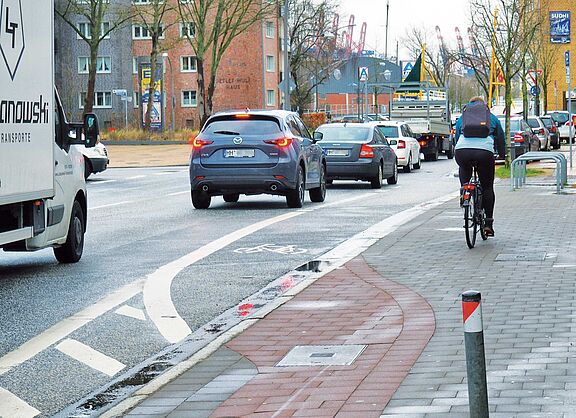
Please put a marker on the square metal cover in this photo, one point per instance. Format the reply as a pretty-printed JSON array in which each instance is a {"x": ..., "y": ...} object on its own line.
[
  {"x": 527, "y": 256},
  {"x": 322, "y": 355}
]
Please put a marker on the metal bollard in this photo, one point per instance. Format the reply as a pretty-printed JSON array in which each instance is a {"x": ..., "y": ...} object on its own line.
[{"x": 475, "y": 360}]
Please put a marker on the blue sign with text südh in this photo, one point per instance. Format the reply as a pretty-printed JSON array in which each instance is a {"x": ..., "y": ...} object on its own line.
[{"x": 560, "y": 27}]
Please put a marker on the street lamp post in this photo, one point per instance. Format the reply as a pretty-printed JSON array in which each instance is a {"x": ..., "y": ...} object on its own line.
[
  {"x": 286, "y": 58},
  {"x": 173, "y": 100}
]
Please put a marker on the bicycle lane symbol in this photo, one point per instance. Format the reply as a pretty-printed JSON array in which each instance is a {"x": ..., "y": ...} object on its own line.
[{"x": 271, "y": 248}]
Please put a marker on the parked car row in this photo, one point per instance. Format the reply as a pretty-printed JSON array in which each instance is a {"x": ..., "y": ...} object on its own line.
[
  {"x": 563, "y": 123},
  {"x": 273, "y": 152}
]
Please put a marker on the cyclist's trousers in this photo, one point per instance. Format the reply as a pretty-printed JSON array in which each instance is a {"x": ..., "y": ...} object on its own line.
[{"x": 485, "y": 163}]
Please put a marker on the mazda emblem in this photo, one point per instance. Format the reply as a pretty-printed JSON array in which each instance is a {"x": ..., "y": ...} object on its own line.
[{"x": 237, "y": 140}]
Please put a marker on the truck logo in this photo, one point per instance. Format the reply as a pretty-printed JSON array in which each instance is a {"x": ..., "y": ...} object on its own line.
[{"x": 11, "y": 34}]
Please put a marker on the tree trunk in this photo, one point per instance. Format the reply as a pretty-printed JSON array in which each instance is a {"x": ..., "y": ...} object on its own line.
[
  {"x": 89, "y": 99},
  {"x": 508, "y": 107},
  {"x": 201, "y": 96},
  {"x": 210, "y": 96}
]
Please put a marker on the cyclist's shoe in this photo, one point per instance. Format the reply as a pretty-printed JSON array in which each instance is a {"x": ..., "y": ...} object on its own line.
[{"x": 489, "y": 227}]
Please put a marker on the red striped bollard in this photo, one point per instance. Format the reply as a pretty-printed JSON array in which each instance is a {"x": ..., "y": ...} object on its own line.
[{"x": 475, "y": 359}]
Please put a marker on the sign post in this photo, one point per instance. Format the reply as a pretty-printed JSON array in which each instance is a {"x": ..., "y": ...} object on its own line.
[
  {"x": 363, "y": 78},
  {"x": 570, "y": 120}
]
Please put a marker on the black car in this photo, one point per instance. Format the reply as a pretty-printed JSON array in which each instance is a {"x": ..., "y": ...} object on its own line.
[
  {"x": 255, "y": 152},
  {"x": 357, "y": 151}
]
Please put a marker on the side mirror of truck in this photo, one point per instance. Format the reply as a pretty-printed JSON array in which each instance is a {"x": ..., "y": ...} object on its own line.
[{"x": 91, "y": 130}]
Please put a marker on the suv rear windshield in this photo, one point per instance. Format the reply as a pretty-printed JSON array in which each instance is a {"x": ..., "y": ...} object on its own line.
[
  {"x": 560, "y": 118},
  {"x": 243, "y": 127},
  {"x": 389, "y": 131},
  {"x": 547, "y": 122},
  {"x": 514, "y": 124},
  {"x": 533, "y": 123},
  {"x": 344, "y": 133}
]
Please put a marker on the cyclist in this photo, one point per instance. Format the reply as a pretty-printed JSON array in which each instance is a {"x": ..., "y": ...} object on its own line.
[{"x": 482, "y": 152}]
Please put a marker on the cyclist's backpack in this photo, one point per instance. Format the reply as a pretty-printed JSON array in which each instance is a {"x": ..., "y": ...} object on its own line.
[{"x": 476, "y": 120}]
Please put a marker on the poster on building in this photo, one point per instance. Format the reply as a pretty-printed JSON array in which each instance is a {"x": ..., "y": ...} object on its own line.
[
  {"x": 406, "y": 66},
  {"x": 156, "y": 117},
  {"x": 560, "y": 27}
]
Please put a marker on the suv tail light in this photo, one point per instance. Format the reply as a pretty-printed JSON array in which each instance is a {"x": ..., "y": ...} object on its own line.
[
  {"x": 366, "y": 151},
  {"x": 199, "y": 142},
  {"x": 542, "y": 132},
  {"x": 553, "y": 128},
  {"x": 401, "y": 144},
  {"x": 281, "y": 142},
  {"x": 518, "y": 137}
]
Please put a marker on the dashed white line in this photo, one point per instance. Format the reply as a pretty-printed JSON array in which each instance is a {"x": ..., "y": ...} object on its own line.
[
  {"x": 111, "y": 205},
  {"x": 451, "y": 229},
  {"x": 136, "y": 177},
  {"x": 90, "y": 357},
  {"x": 131, "y": 312},
  {"x": 14, "y": 407},
  {"x": 64, "y": 328},
  {"x": 179, "y": 193},
  {"x": 94, "y": 183}
]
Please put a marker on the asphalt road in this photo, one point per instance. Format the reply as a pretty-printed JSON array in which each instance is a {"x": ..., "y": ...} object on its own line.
[{"x": 155, "y": 270}]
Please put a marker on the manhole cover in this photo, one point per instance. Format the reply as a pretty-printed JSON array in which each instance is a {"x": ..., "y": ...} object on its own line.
[
  {"x": 529, "y": 256},
  {"x": 322, "y": 355}
]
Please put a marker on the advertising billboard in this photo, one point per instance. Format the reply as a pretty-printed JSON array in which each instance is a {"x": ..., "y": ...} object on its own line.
[
  {"x": 156, "y": 117},
  {"x": 560, "y": 27}
]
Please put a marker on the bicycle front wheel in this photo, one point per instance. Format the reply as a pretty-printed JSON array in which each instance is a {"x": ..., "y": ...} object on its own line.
[{"x": 470, "y": 226}]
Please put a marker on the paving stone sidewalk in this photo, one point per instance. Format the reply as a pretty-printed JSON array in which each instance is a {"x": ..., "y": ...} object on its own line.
[{"x": 401, "y": 301}]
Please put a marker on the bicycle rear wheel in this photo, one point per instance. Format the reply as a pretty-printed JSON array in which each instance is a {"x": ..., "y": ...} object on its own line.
[
  {"x": 470, "y": 225},
  {"x": 481, "y": 216}
]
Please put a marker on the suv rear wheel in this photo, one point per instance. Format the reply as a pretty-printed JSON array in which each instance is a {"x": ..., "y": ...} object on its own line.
[
  {"x": 200, "y": 199},
  {"x": 231, "y": 198},
  {"x": 318, "y": 194},
  {"x": 295, "y": 198}
]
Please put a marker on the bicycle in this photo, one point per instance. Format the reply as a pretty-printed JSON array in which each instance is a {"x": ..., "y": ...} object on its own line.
[{"x": 474, "y": 215}]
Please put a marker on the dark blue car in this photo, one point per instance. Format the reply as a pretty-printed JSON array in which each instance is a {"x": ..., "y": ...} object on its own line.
[{"x": 255, "y": 152}]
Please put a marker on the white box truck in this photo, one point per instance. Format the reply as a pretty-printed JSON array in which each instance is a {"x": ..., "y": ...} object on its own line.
[{"x": 42, "y": 189}]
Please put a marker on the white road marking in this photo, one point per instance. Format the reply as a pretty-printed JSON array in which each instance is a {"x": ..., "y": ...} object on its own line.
[
  {"x": 163, "y": 173},
  {"x": 179, "y": 193},
  {"x": 94, "y": 183},
  {"x": 136, "y": 177},
  {"x": 64, "y": 328},
  {"x": 157, "y": 295},
  {"x": 564, "y": 266},
  {"x": 14, "y": 407},
  {"x": 451, "y": 229},
  {"x": 131, "y": 312},
  {"x": 90, "y": 357},
  {"x": 111, "y": 205}
]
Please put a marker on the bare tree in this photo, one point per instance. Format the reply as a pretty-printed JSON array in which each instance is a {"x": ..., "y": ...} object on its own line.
[
  {"x": 437, "y": 61},
  {"x": 510, "y": 38},
  {"x": 155, "y": 18},
  {"x": 313, "y": 48},
  {"x": 99, "y": 19},
  {"x": 216, "y": 23}
]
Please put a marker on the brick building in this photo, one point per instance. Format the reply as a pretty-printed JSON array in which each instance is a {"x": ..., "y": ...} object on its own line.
[
  {"x": 556, "y": 25},
  {"x": 248, "y": 75}
]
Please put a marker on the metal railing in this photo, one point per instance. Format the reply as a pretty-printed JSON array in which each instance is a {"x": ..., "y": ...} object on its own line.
[{"x": 518, "y": 168}]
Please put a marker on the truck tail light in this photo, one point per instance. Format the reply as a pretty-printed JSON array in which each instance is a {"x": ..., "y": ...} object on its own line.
[
  {"x": 518, "y": 138},
  {"x": 199, "y": 142},
  {"x": 401, "y": 144},
  {"x": 422, "y": 143},
  {"x": 281, "y": 142},
  {"x": 366, "y": 151}
]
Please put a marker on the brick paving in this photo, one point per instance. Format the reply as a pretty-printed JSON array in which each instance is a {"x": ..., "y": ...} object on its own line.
[{"x": 401, "y": 299}]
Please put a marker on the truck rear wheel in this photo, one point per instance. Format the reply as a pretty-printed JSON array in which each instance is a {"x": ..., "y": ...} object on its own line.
[
  {"x": 450, "y": 151},
  {"x": 71, "y": 251}
]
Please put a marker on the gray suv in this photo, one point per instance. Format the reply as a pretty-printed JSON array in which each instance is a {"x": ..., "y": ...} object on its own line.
[{"x": 255, "y": 152}]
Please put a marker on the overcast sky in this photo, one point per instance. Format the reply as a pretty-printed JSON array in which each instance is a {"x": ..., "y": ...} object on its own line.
[{"x": 403, "y": 14}]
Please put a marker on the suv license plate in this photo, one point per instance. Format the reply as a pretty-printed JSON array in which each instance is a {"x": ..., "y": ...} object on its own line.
[{"x": 239, "y": 153}]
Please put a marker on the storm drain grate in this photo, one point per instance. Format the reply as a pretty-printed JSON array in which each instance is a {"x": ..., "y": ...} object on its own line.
[
  {"x": 528, "y": 256},
  {"x": 322, "y": 355}
]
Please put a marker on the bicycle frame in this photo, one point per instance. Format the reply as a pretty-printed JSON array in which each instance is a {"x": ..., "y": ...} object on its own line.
[{"x": 473, "y": 193}]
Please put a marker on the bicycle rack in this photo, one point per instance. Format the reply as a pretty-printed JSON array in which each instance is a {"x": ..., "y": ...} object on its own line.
[{"x": 518, "y": 168}]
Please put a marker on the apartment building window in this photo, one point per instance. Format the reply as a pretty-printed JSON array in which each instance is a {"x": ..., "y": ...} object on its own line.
[
  {"x": 188, "y": 64},
  {"x": 86, "y": 30},
  {"x": 103, "y": 65},
  {"x": 189, "y": 98},
  {"x": 270, "y": 29},
  {"x": 102, "y": 99},
  {"x": 270, "y": 98},
  {"x": 142, "y": 32},
  {"x": 187, "y": 29},
  {"x": 270, "y": 66}
]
